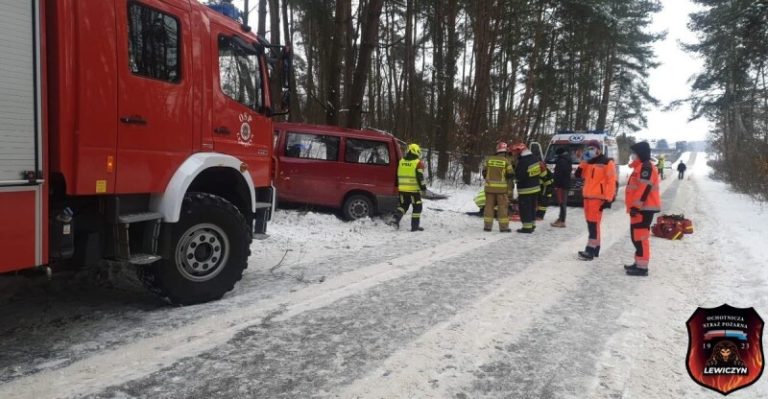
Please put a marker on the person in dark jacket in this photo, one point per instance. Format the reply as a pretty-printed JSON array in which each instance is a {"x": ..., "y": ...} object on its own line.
[
  {"x": 563, "y": 170},
  {"x": 681, "y": 168},
  {"x": 528, "y": 178}
]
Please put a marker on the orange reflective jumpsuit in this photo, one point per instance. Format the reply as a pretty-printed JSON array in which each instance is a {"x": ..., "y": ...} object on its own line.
[
  {"x": 642, "y": 200},
  {"x": 599, "y": 192}
]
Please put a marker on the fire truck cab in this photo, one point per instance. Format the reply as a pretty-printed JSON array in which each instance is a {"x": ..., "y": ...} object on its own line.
[{"x": 136, "y": 131}]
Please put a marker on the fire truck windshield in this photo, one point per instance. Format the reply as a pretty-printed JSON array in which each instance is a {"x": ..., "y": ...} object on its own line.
[{"x": 239, "y": 71}]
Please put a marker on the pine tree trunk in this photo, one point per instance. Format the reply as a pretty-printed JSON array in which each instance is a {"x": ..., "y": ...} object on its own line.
[
  {"x": 276, "y": 84},
  {"x": 262, "y": 28},
  {"x": 605, "y": 99},
  {"x": 333, "y": 96},
  {"x": 370, "y": 33}
]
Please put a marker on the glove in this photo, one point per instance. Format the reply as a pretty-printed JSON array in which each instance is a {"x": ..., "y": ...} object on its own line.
[
  {"x": 633, "y": 211},
  {"x": 606, "y": 205}
]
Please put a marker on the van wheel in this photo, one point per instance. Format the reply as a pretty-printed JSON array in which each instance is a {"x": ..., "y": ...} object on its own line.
[
  {"x": 357, "y": 207},
  {"x": 205, "y": 255}
]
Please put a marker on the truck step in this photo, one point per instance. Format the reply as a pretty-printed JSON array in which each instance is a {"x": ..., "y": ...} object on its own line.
[
  {"x": 131, "y": 218},
  {"x": 260, "y": 237},
  {"x": 263, "y": 205},
  {"x": 143, "y": 259}
]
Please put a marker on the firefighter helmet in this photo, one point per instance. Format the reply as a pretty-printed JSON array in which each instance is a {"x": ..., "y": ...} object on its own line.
[
  {"x": 414, "y": 149},
  {"x": 501, "y": 147}
]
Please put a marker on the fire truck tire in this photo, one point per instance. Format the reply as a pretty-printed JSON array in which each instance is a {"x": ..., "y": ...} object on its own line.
[
  {"x": 356, "y": 207},
  {"x": 205, "y": 255}
]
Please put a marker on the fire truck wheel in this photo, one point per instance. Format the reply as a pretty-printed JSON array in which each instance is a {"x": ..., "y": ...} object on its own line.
[
  {"x": 206, "y": 254},
  {"x": 357, "y": 207}
]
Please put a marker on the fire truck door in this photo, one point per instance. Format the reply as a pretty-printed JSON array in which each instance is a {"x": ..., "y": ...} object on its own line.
[
  {"x": 21, "y": 178},
  {"x": 155, "y": 99}
]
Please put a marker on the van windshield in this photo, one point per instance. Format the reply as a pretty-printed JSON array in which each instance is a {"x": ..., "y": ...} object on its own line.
[{"x": 551, "y": 156}]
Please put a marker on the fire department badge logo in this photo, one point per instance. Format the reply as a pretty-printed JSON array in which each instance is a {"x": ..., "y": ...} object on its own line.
[
  {"x": 245, "y": 128},
  {"x": 725, "y": 351}
]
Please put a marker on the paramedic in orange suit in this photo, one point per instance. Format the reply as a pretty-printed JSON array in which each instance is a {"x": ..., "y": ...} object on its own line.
[
  {"x": 642, "y": 200},
  {"x": 599, "y": 174}
]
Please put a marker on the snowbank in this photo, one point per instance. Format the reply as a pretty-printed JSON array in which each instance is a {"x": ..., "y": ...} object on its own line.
[{"x": 743, "y": 216}]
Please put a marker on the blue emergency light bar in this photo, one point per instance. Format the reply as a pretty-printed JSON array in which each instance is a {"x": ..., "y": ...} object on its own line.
[{"x": 226, "y": 8}]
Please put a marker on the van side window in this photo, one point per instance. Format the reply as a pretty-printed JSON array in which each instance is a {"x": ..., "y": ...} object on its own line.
[
  {"x": 312, "y": 146},
  {"x": 239, "y": 72},
  {"x": 367, "y": 152},
  {"x": 153, "y": 43}
]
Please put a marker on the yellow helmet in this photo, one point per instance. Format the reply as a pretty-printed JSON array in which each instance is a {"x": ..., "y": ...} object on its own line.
[{"x": 414, "y": 149}]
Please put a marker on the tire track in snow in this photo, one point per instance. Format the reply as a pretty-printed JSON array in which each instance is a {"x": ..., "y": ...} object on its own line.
[
  {"x": 140, "y": 358},
  {"x": 474, "y": 336},
  {"x": 313, "y": 354}
]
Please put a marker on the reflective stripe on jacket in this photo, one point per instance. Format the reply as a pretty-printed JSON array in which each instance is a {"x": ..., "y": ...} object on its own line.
[
  {"x": 496, "y": 171},
  {"x": 406, "y": 176},
  {"x": 643, "y": 188},
  {"x": 528, "y": 175}
]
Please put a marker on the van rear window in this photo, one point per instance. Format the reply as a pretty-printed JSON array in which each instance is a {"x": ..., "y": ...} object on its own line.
[
  {"x": 312, "y": 146},
  {"x": 369, "y": 152}
]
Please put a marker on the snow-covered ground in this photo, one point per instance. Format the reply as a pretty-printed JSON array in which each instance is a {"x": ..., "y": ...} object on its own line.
[{"x": 348, "y": 310}]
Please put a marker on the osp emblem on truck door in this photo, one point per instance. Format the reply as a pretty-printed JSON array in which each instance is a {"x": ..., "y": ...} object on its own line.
[
  {"x": 725, "y": 351},
  {"x": 244, "y": 136}
]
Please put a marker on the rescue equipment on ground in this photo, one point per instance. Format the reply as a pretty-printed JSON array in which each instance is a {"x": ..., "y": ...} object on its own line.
[{"x": 672, "y": 227}]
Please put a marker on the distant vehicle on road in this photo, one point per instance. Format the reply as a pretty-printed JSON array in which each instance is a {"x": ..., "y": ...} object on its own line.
[{"x": 354, "y": 171}]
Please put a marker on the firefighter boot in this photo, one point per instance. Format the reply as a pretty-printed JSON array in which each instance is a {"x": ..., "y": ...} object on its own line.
[
  {"x": 636, "y": 271},
  {"x": 395, "y": 222},
  {"x": 415, "y": 225}
]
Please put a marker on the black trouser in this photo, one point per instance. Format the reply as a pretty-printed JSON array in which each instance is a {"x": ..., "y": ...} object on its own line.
[
  {"x": 561, "y": 196},
  {"x": 543, "y": 201},
  {"x": 681, "y": 175},
  {"x": 405, "y": 202},
  {"x": 527, "y": 205}
]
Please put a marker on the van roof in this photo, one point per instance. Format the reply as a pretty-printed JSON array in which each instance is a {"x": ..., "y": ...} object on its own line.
[{"x": 358, "y": 133}]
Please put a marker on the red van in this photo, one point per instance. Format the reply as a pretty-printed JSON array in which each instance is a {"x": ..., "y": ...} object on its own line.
[{"x": 351, "y": 170}]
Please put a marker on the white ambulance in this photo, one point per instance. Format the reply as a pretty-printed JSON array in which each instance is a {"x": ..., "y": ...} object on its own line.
[{"x": 572, "y": 142}]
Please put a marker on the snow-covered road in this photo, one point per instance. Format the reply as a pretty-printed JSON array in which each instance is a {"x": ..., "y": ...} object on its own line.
[{"x": 450, "y": 313}]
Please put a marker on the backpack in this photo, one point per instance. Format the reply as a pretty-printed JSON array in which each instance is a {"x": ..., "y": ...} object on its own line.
[{"x": 672, "y": 227}]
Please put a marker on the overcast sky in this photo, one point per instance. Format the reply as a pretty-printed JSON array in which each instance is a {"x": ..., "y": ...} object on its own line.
[{"x": 669, "y": 82}]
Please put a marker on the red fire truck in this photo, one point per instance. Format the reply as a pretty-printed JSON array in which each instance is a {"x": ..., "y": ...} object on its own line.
[{"x": 137, "y": 131}]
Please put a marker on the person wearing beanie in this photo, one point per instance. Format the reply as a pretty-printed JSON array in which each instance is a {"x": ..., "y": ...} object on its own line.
[{"x": 643, "y": 200}]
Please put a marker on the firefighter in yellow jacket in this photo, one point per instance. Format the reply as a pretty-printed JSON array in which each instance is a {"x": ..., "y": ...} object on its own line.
[
  {"x": 497, "y": 171},
  {"x": 410, "y": 183}
]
